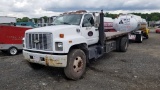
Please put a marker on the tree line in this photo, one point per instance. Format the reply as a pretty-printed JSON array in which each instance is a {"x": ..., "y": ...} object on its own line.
[{"x": 149, "y": 17}]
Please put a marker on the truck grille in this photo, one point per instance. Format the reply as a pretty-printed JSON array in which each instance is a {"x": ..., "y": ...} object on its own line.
[{"x": 39, "y": 41}]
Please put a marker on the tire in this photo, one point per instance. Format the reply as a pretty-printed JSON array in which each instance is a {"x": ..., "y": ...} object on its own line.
[
  {"x": 124, "y": 44},
  {"x": 139, "y": 38},
  {"x": 76, "y": 64},
  {"x": 12, "y": 51},
  {"x": 35, "y": 66}
]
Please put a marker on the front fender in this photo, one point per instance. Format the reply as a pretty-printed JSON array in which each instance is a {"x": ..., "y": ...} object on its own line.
[{"x": 69, "y": 41}]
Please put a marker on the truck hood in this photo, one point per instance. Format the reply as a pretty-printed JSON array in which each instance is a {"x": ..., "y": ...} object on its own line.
[{"x": 52, "y": 28}]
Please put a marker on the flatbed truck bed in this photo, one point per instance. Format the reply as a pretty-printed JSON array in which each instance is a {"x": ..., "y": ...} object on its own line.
[{"x": 112, "y": 35}]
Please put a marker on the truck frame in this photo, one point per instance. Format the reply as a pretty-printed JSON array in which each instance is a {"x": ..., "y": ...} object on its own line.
[{"x": 72, "y": 49}]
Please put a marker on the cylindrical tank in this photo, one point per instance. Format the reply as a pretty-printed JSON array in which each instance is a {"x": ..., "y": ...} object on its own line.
[{"x": 129, "y": 22}]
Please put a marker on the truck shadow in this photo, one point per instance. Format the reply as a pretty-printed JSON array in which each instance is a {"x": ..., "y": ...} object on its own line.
[
  {"x": 6, "y": 54},
  {"x": 58, "y": 74},
  {"x": 3, "y": 54}
]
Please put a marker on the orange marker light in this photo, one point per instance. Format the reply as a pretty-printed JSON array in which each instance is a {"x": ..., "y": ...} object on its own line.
[
  {"x": 70, "y": 41},
  {"x": 61, "y": 35}
]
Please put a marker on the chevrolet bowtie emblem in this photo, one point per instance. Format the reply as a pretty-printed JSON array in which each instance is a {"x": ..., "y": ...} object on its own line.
[{"x": 36, "y": 41}]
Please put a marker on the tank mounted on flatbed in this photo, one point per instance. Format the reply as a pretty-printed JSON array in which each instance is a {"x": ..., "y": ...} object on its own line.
[{"x": 134, "y": 24}]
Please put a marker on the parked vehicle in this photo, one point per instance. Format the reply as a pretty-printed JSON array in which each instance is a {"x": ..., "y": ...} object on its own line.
[
  {"x": 11, "y": 35},
  {"x": 157, "y": 30},
  {"x": 11, "y": 39},
  {"x": 137, "y": 25},
  {"x": 26, "y": 24},
  {"x": 73, "y": 40}
]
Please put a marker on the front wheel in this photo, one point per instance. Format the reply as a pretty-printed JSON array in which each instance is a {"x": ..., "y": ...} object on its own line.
[{"x": 76, "y": 64}]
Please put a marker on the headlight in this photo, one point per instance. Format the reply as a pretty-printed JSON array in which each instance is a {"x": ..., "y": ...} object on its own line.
[{"x": 59, "y": 46}]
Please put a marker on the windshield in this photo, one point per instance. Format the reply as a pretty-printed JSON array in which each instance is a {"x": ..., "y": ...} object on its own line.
[{"x": 71, "y": 19}]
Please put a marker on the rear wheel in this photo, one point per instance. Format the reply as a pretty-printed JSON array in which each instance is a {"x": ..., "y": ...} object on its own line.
[
  {"x": 12, "y": 51},
  {"x": 139, "y": 38},
  {"x": 76, "y": 64},
  {"x": 124, "y": 44}
]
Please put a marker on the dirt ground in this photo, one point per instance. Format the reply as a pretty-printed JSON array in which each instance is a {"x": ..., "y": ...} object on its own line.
[{"x": 137, "y": 69}]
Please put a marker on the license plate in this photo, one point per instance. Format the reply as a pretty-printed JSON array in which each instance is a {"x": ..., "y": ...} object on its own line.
[{"x": 36, "y": 58}]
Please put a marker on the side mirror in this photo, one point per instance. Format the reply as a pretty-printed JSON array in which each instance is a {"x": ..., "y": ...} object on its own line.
[{"x": 97, "y": 21}]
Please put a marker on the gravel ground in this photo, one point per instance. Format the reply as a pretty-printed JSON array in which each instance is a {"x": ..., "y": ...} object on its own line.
[{"x": 137, "y": 69}]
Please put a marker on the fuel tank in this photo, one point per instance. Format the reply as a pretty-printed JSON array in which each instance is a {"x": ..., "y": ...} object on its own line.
[{"x": 129, "y": 22}]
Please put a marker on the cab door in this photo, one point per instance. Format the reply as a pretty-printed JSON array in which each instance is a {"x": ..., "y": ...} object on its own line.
[{"x": 88, "y": 30}]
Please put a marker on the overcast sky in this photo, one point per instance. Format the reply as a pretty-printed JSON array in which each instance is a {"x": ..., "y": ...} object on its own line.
[{"x": 38, "y": 8}]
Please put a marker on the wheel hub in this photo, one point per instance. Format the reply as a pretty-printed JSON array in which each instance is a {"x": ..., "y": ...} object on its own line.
[
  {"x": 13, "y": 51},
  {"x": 78, "y": 64}
]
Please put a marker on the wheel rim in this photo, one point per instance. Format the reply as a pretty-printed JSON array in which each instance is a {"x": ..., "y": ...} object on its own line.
[
  {"x": 78, "y": 64},
  {"x": 13, "y": 51}
]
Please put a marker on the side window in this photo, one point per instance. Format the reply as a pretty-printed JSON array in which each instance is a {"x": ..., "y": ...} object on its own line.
[{"x": 88, "y": 21}]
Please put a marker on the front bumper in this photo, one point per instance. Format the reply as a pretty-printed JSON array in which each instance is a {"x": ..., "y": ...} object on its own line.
[{"x": 46, "y": 59}]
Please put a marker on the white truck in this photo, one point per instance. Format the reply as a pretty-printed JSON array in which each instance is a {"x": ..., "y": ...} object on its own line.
[
  {"x": 73, "y": 40},
  {"x": 134, "y": 24}
]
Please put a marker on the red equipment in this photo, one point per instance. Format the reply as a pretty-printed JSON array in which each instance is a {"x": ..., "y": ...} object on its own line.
[
  {"x": 108, "y": 25},
  {"x": 11, "y": 38}
]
